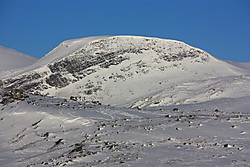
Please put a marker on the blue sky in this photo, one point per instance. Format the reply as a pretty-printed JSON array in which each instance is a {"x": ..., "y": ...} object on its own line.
[{"x": 220, "y": 27}]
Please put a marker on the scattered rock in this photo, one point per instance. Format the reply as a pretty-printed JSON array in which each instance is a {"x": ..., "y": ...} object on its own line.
[
  {"x": 175, "y": 109},
  {"x": 58, "y": 142},
  {"x": 234, "y": 126},
  {"x": 17, "y": 94},
  {"x": 228, "y": 145},
  {"x": 243, "y": 132}
]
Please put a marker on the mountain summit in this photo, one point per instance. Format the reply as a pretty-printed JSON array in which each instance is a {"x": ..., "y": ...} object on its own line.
[{"x": 129, "y": 71}]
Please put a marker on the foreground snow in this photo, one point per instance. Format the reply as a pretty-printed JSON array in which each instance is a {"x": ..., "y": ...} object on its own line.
[{"x": 43, "y": 131}]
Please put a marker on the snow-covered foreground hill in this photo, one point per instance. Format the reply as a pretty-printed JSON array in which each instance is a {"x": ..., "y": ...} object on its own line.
[
  {"x": 40, "y": 131},
  {"x": 12, "y": 59}
]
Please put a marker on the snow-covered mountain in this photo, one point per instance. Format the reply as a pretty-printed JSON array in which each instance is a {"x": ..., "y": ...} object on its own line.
[
  {"x": 171, "y": 105},
  {"x": 130, "y": 71},
  {"x": 244, "y": 65},
  {"x": 12, "y": 59}
]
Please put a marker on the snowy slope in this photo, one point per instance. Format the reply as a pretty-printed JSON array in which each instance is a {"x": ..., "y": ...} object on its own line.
[
  {"x": 62, "y": 50},
  {"x": 131, "y": 71},
  {"x": 40, "y": 131},
  {"x": 244, "y": 65},
  {"x": 11, "y": 59}
]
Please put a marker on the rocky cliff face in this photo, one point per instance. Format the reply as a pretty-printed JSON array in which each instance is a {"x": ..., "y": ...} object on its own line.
[{"x": 118, "y": 70}]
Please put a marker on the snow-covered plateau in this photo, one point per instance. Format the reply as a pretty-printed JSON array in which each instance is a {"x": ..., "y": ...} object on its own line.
[{"x": 125, "y": 101}]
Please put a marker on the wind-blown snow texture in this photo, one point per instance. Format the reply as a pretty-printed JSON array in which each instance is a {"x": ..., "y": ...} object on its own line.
[
  {"x": 126, "y": 101},
  {"x": 54, "y": 132}
]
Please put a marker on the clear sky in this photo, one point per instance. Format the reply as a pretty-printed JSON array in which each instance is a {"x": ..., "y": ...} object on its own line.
[{"x": 220, "y": 27}]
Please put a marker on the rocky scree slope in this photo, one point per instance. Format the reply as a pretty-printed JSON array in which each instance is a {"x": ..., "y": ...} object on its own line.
[{"x": 129, "y": 71}]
